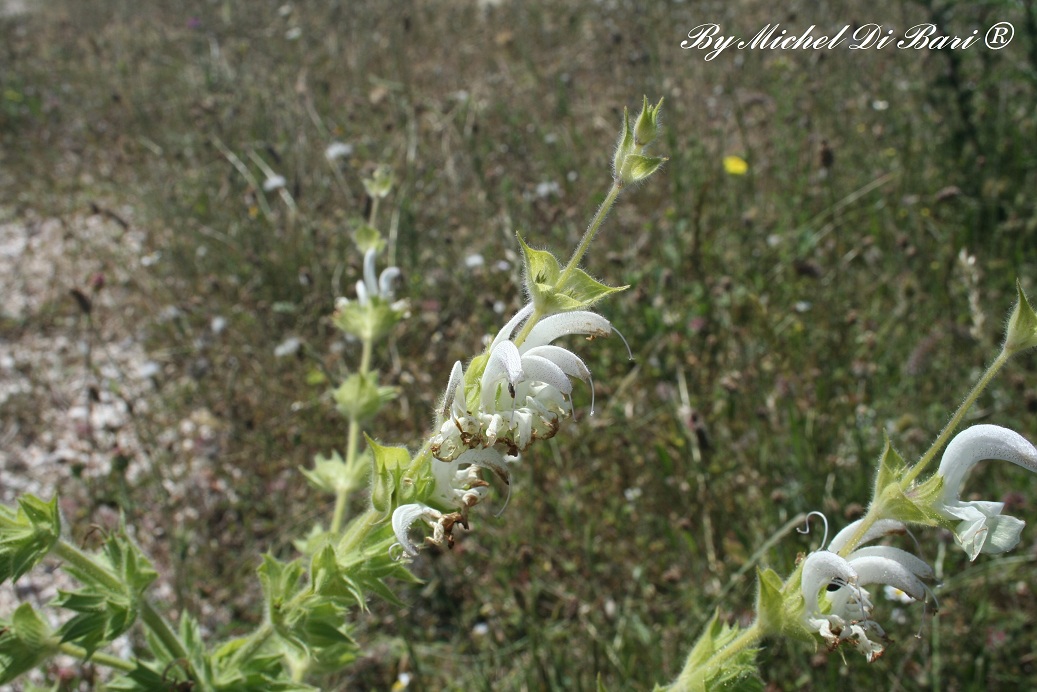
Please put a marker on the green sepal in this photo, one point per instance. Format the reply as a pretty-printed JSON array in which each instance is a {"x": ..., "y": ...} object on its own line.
[
  {"x": 25, "y": 642},
  {"x": 380, "y": 183},
  {"x": 625, "y": 146},
  {"x": 638, "y": 167},
  {"x": 916, "y": 506},
  {"x": 913, "y": 506},
  {"x": 580, "y": 291},
  {"x": 360, "y": 397},
  {"x": 770, "y": 606},
  {"x": 388, "y": 467},
  {"x": 367, "y": 238},
  {"x": 891, "y": 468},
  {"x": 646, "y": 127},
  {"x": 1021, "y": 333},
  {"x": 26, "y": 536},
  {"x": 542, "y": 272}
]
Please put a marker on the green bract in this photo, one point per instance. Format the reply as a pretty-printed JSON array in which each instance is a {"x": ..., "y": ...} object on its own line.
[
  {"x": 360, "y": 397},
  {"x": 369, "y": 322},
  {"x": 551, "y": 293}
]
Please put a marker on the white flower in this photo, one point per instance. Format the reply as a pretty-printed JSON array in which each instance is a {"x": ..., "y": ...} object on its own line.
[
  {"x": 375, "y": 285},
  {"x": 274, "y": 182},
  {"x": 982, "y": 528},
  {"x": 838, "y": 607},
  {"x": 459, "y": 486},
  {"x": 523, "y": 389},
  {"x": 338, "y": 150}
]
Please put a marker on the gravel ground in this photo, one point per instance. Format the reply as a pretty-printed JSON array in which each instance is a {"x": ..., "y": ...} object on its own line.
[{"x": 75, "y": 379}]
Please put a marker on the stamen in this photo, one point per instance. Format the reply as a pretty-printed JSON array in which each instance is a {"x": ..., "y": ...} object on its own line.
[{"x": 806, "y": 527}]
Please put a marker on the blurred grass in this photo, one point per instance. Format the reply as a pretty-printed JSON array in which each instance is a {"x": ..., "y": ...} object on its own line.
[{"x": 806, "y": 309}]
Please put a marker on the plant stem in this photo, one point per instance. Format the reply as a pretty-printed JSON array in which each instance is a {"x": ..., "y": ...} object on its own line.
[
  {"x": 956, "y": 419},
  {"x": 877, "y": 510},
  {"x": 98, "y": 657},
  {"x": 352, "y": 447},
  {"x": 574, "y": 261},
  {"x": 592, "y": 230}
]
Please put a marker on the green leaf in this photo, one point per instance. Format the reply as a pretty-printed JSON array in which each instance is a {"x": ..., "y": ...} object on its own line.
[
  {"x": 1022, "y": 325},
  {"x": 737, "y": 672},
  {"x": 25, "y": 642},
  {"x": 26, "y": 536},
  {"x": 625, "y": 146}
]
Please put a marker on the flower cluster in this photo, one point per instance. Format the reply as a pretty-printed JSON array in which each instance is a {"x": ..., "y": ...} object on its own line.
[
  {"x": 516, "y": 393},
  {"x": 522, "y": 393},
  {"x": 838, "y": 607}
]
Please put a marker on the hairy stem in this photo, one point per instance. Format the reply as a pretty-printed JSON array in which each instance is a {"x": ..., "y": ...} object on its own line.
[{"x": 352, "y": 446}]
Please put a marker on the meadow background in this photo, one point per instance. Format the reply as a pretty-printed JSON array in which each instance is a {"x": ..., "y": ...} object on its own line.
[{"x": 852, "y": 281}]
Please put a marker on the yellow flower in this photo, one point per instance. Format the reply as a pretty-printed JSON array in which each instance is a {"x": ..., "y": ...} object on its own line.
[{"x": 735, "y": 165}]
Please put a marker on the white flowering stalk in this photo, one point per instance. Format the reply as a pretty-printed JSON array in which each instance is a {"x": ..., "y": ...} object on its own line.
[
  {"x": 519, "y": 390},
  {"x": 825, "y": 599}
]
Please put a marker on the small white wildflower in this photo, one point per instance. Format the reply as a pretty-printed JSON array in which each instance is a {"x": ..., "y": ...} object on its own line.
[
  {"x": 288, "y": 347},
  {"x": 546, "y": 189},
  {"x": 274, "y": 182},
  {"x": 338, "y": 150},
  {"x": 474, "y": 260}
]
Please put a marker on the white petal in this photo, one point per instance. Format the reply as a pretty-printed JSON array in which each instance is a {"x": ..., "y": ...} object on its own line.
[
  {"x": 402, "y": 519},
  {"x": 543, "y": 370},
  {"x": 820, "y": 568},
  {"x": 976, "y": 444},
  {"x": 570, "y": 363},
  {"x": 505, "y": 333},
  {"x": 488, "y": 459},
  {"x": 983, "y": 529},
  {"x": 361, "y": 293},
  {"x": 385, "y": 280},
  {"x": 917, "y": 565},
  {"x": 370, "y": 278},
  {"x": 874, "y": 569},
  {"x": 882, "y": 527},
  {"x": 454, "y": 388},
  {"x": 557, "y": 326},
  {"x": 504, "y": 362}
]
